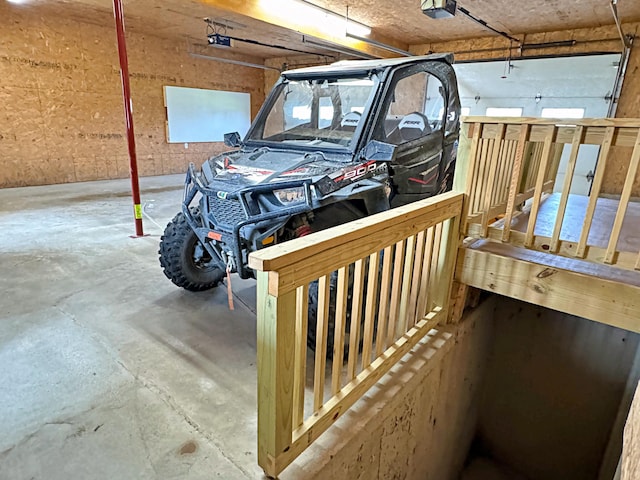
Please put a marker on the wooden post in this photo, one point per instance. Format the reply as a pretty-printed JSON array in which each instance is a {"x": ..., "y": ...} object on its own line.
[
  {"x": 276, "y": 341},
  {"x": 465, "y": 163},
  {"x": 449, "y": 243}
]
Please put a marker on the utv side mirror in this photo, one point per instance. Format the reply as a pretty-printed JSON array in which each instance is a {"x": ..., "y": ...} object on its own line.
[
  {"x": 379, "y": 151},
  {"x": 232, "y": 139}
]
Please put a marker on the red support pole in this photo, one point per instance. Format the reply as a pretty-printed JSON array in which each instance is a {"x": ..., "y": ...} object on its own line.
[{"x": 128, "y": 114}]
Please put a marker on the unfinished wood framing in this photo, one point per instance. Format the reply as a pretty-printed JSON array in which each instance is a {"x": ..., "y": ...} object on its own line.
[
  {"x": 402, "y": 305},
  {"x": 630, "y": 459},
  {"x": 567, "y": 285},
  {"x": 566, "y": 224}
]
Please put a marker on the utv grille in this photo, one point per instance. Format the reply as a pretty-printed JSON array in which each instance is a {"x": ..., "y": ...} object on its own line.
[{"x": 226, "y": 212}]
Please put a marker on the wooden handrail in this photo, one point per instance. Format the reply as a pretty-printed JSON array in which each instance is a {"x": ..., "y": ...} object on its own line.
[
  {"x": 506, "y": 162},
  {"x": 396, "y": 267},
  {"x": 302, "y": 260}
]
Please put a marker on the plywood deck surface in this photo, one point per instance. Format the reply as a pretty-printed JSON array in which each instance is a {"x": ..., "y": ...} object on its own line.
[{"x": 603, "y": 219}]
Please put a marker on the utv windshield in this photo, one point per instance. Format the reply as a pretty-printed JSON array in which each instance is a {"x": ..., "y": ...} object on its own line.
[{"x": 318, "y": 113}]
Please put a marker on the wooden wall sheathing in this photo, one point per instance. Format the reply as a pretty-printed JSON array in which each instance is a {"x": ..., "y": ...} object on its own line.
[
  {"x": 630, "y": 459},
  {"x": 62, "y": 118}
]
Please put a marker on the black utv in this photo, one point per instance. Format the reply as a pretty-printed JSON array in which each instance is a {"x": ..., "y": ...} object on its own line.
[{"x": 331, "y": 144}]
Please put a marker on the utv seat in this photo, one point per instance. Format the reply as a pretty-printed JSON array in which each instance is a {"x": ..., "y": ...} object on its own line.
[
  {"x": 413, "y": 125},
  {"x": 350, "y": 121}
]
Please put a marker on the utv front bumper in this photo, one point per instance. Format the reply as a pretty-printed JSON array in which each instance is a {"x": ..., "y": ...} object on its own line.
[{"x": 231, "y": 224}]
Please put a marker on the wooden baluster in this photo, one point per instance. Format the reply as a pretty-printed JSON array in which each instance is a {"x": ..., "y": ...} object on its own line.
[
  {"x": 491, "y": 177},
  {"x": 506, "y": 178},
  {"x": 624, "y": 202},
  {"x": 370, "y": 308},
  {"x": 435, "y": 260},
  {"x": 383, "y": 309},
  {"x": 403, "y": 318},
  {"x": 300, "y": 359},
  {"x": 578, "y": 136},
  {"x": 483, "y": 165},
  {"x": 322, "y": 324},
  {"x": 501, "y": 175},
  {"x": 547, "y": 152},
  {"x": 426, "y": 274},
  {"x": 601, "y": 166},
  {"x": 395, "y": 292},
  {"x": 415, "y": 281},
  {"x": 516, "y": 178},
  {"x": 342, "y": 292},
  {"x": 356, "y": 316}
]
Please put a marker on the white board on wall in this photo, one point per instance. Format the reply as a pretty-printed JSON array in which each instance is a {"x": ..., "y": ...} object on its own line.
[{"x": 199, "y": 115}]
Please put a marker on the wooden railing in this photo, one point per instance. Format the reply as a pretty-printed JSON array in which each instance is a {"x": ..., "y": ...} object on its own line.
[
  {"x": 508, "y": 167},
  {"x": 383, "y": 282}
]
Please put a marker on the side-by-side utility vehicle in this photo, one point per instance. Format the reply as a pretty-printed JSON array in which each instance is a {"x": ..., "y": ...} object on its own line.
[{"x": 331, "y": 144}]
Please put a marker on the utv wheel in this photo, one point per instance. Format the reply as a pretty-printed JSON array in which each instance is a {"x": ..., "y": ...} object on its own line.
[
  {"x": 331, "y": 320},
  {"x": 184, "y": 260},
  {"x": 331, "y": 317},
  {"x": 333, "y": 288}
]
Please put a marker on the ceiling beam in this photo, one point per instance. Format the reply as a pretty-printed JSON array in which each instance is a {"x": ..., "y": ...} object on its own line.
[{"x": 264, "y": 11}]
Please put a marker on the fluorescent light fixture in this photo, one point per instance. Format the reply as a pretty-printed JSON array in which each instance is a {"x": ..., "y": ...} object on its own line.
[
  {"x": 18, "y": 2},
  {"x": 384, "y": 46},
  {"x": 359, "y": 29},
  {"x": 316, "y": 16},
  {"x": 332, "y": 47}
]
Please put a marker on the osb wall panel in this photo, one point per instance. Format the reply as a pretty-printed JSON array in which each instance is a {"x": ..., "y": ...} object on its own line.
[
  {"x": 62, "y": 115},
  {"x": 588, "y": 40},
  {"x": 417, "y": 423},
  {"x": 631, "y": 448},
  {"x": 552, "y": 391}
]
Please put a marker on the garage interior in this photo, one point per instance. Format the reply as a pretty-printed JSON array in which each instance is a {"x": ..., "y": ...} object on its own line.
[{"x": 108, "y": 370}]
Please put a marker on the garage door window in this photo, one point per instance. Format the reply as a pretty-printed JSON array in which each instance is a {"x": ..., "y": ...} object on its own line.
[
  {"x": 504, "y": 112},
  {"x": 562, "y": 113}
]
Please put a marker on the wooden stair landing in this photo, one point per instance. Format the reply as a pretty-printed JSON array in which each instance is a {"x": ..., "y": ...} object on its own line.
[{"x": 594, "y": 291}]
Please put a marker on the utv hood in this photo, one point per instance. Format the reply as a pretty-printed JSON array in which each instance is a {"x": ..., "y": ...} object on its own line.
[{"x": 243, "y": 169}]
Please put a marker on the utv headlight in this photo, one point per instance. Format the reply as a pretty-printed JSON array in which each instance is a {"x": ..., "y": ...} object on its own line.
[{"x": 290, "y": 196}]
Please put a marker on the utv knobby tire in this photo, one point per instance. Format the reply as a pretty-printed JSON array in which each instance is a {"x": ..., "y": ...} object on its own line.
[
  {"x": 177, "y": 251},
  {"x": 331, "y": 314},
  {"x": 313, "y": 315}
]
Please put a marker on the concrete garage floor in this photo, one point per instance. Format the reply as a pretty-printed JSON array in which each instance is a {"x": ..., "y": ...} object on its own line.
[{"x": 107, "y": 370}]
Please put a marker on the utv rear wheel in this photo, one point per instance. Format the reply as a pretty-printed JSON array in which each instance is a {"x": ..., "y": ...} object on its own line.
[{"x": 184, "y": 260}]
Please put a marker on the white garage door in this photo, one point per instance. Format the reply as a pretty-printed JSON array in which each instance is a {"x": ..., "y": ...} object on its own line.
[{"x": 563, "y": 87}]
